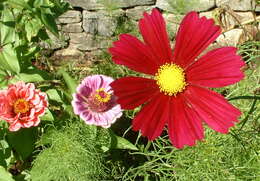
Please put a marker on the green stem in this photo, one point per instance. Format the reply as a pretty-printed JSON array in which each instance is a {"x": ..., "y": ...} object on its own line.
[
  {"x": 243, "y": 122},
  {"x": 147, "y": 146},
  {"x": 146, "y": 149},
  {"x": 244, "y": 97}
]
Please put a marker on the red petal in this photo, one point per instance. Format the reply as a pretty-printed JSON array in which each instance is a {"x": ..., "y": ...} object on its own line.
[
  {"x": 131, "y": 52},
  {"x": 218, "y": 68},
  {"x": 134, "y": 91},
  {"x": 153, "y": 116},
  {"x": 153, "y": 30},
  {"x": 194, "y": 35},
  {"x": 185, "y": 127},
  {"x": 213, "y": 108}
]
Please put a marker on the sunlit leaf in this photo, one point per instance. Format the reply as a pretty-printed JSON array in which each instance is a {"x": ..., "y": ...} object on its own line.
[
  {"x": 70, "y": 82},
  {"x": 7, "y": 29},
  {"x": 49, "y": 21},
  {"x": 19, "y": 4},
  {"x": 29, "y": 77},
  {"x": 47, "y": 116},
  {"x": 121, "y": 143},
  {"x": 54, "y": 95},
  {"x": 41, "y": 3},
  {"x": 32, "y": 28},
  {"x": 5, "y": 175},
  {"x": 5, "y": 153},
  {"x": 9, "y": 60}
]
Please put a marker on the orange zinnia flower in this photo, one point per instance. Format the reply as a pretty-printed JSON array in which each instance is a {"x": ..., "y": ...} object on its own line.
[{"x": 21, "y": 105}]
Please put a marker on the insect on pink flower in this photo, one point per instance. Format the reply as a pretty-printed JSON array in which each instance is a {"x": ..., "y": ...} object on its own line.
[
  {"x": 21, "y": 105},
  {"x": 177, "y": 93},
  {"x": 95, "y": 101}
]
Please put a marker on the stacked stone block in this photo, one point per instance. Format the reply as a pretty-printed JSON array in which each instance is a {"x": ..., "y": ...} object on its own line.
[{"x": 91, "y": 25}]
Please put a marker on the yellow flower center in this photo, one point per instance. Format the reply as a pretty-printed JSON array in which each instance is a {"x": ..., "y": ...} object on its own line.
[
  {"x": 21, "y": 106},
  {"x": 102, "y": 96},
  {"x": 171, "y": 79}
]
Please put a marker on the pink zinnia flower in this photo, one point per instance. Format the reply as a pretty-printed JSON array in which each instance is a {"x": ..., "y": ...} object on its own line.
[
  {"x": 95, "y": 101},
  {"x": 21, "y": 105},
  {"x": 177, "y": 94}
]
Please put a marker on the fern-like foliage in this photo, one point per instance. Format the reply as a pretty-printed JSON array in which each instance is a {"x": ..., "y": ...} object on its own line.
[{"x": 74, "y": 154}]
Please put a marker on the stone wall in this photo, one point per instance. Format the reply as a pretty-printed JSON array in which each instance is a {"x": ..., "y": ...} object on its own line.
[{"x": 92, "y": 24}]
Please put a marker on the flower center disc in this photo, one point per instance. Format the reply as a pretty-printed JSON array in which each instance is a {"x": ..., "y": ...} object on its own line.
[
  {"x": 171, "y": 79},
  {"x": 21, "y": 106},
  {"x": 99, "y": 101},
  {"x": 102, "y": 96}
]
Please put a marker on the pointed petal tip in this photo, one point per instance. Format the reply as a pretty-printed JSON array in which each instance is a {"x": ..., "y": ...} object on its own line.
[
  {"x": 213, "y": 108},
  {"x": 217, "y": 68},
  {"x": 134, "y": 54},
  {"x": 195, "y": 34},
  {"x": 192, "y": 13},
  {"x": 153, "y": 29}
]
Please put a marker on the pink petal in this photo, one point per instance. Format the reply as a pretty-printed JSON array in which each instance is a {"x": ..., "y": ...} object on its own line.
[
  {"x": 35, "y": 100},
  {"x": 212, "y": 108},
  {"x": 184, "y": 125},
  {"x": 194, "y": 35},
  {"x": 28, "y": 124},
  {"x": 153, "y": 116},
  {"x": 105, "y": 119},
  {"x": 15, "y": 126},
  {"x": 131, "y": 52},
  {"x": 153, "y": 30},
  {"x": 87, "y": 116},
  {"x": 218, "y": 68},
  {"x": 12, "y": 94},
  {"x": 36, "y": 121},
  {"x": 44, "y": 98},
  {"x": 30, "y": 89},
  {"x": 6, "y": 109},
  {"x": 93, "y": 83},
  {"x": 78, "y": 104},
  {"x": 134, "y": 91},
  {"x": 19, "y": 84}
]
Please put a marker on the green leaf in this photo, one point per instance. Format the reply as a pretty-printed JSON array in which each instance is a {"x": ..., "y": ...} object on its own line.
[
  {"x": 41, "y": 3},
  {"x": 23, "y": 141},
  {"x": 121, "y": 143},
  {"x": 54, "y": 95},
  {"x": 60, "y": 7},
  {"x": 49, "y": 21},
  {"x": 33, "y": 70},
  {"x": 5, "y": 154},
  {"x": 47, "y": 116},
  {"x": 29, "y": 77},
  {"x": 70, "y": 82},
  {"x": 7, "y": 30},
  {"x": 9, "y": 60},
  {"x": 3, "y": 144},
  {"x": 32, "y": 28},
  {"x": 42, "y": 34},
  {"x": 19, "y": 4},
  {"x": 1, "y": 5},
  {"x": 32, "y": 75},
  {"x": 3, "y": 77},
  {"x": 5, "y": 175}
]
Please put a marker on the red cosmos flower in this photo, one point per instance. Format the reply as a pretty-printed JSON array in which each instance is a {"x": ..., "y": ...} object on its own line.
[
  {"x": 177, "y": 95},
  {"x": 21, "y": 105}
]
